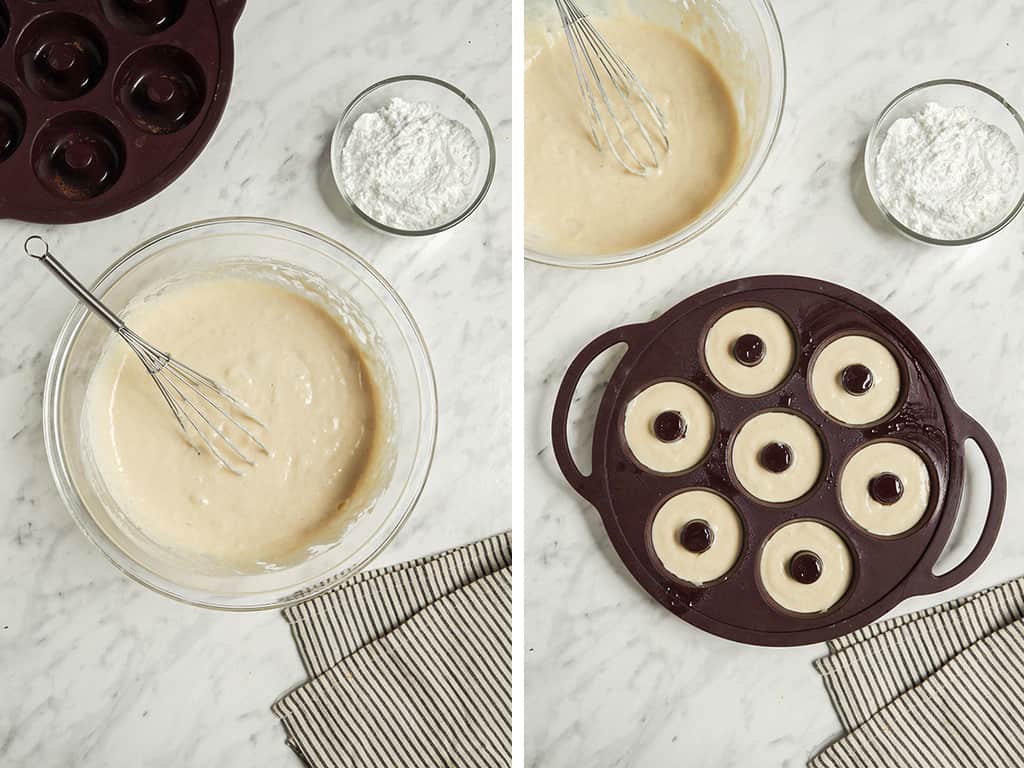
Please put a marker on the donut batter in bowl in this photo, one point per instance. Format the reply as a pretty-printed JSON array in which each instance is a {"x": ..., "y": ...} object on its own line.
[
  {"x": 579, "y": 200},
  {"x": 297, "y": 368}
]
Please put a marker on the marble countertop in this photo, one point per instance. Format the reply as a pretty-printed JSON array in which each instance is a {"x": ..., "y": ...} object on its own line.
[
  {"x": 95, "y": 669},
  {"x": 613, "y": 679}
]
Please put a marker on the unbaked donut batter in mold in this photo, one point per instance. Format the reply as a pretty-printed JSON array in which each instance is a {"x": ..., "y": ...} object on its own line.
[
  {"x": 668, "y": 427},
  {"x": 750, "y": 350},
  {"x": 301, "y": 373},
  {"x": 855, "y": 380},
  {"x": 697, "y": 536},
  {"x": 777, "y": 456},
  {"x": 805, "y": 567},
  {"x": 885, "y": 488},
  {"x": 579, "y": 200}
]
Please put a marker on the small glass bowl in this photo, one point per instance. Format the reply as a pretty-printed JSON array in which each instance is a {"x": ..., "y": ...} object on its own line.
[
  {"x": 983, "y": 102},
  {"x": 451, "y": 102},
  {"x": 349, "y": 286}
]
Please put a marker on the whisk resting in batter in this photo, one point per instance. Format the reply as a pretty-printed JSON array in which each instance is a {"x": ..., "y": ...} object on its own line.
[
  {"x": 202, "y": 408},
  {"x": 613, "y": 94}
]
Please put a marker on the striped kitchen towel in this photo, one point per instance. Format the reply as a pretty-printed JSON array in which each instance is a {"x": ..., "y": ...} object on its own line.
[
  {"x": 410, "y": 665},
  {"x": 941, "y": 687}
]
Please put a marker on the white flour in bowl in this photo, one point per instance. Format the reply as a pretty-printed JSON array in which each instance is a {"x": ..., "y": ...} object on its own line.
[
  {"x": 410, "y": 167},
  {"x": 947, "y": 174}
]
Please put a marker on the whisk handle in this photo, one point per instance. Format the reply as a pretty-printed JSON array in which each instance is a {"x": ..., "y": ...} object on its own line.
[{"x": 37, "y": 248}]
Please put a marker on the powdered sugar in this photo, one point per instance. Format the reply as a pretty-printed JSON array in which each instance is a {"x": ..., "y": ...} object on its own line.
[
  {"x": 947, "y": 174},
  {"x": 410, "y": 167}
]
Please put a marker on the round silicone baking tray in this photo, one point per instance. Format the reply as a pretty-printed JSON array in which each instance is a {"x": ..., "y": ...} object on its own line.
[
  {"x": 103, "y": 103},
  {"x": 885, "y": 570}
]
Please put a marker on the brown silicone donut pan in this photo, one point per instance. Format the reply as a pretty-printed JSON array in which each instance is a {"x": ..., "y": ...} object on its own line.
[
  {"x": 103, "y": 103},
  {"x": 885, "y": 570}
]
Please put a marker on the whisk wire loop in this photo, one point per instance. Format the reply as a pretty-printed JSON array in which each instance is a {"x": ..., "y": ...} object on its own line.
[
  {"x": 181, "y": 373},
  {"x": 603, "y": 75},
  {"x": 172, "y": 377}
]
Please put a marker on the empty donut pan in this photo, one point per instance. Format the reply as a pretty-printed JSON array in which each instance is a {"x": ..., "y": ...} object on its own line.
[{"x": 104, "y": 102}]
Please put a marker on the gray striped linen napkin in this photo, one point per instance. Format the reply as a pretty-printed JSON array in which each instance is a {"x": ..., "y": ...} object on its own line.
[
  {"x": 943, "y": 687},
  {"x": 410, "y": 665}
]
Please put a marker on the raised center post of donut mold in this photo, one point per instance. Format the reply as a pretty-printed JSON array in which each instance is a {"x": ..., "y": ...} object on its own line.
[
  {"x": 805, "y": 567},
  {"x": 669, "y": 426},
  {"x": 886, "y": 488},
  {"x": 748, "y": 349},
  {"x": 856, "y": 379},
  {"x": 776, "y": 457},
  {"x": 697, "y": 536}
]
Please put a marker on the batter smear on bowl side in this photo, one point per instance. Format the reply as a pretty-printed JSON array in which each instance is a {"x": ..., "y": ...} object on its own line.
[
  {"x": 301, "y": 373},
  {"x": 579, "y": 200}
]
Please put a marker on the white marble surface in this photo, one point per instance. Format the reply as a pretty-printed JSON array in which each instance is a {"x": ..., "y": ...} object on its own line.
[
  {"x": 94, "y": 669},
  {"x": 613, "y": 679}
]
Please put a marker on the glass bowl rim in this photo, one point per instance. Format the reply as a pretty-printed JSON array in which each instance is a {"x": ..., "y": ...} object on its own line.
[
  {"x": 870, "y": 152},
  {"x": 268, "y": 599},
  {"x": 336, "y": 151},
  {"x": 728, "y": 201}
]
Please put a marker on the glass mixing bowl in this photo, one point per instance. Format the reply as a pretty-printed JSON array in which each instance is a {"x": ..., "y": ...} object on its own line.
[
  {"x": 450, "y": 102},
  {"x": 742, "y": 38},
  {"x": 348, "y": 287},
  {"x": 983, "y": 102}
]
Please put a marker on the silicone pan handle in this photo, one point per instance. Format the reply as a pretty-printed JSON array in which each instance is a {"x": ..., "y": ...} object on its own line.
[
  {"x": 563, "y": 401},
  {"x": 232, "y": 9},
  {"x": 925, "y": 582}
]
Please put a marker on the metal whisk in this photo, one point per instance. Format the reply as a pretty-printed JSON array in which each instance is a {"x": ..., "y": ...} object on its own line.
[
  {"x": 612, "y": 93},
  {"x": 195, "y": 400}
]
